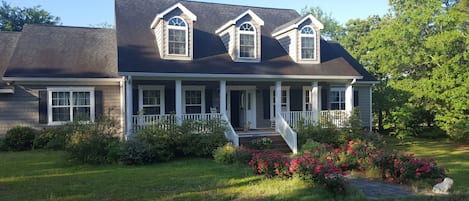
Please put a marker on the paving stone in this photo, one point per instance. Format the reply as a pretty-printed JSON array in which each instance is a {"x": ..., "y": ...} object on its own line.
[{"x": 374, "y": 190}]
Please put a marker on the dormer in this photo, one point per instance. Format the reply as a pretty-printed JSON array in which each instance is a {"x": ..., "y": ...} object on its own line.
[
  {"x": 173, "y": 29},
  {"x": 301, "y": 39},
  {"x": 242, "y": 37}
]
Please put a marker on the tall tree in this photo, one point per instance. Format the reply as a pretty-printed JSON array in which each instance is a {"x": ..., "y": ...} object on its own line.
[
  {"x": 331, "y": 25},
  {"x": 13, "y": 18}
]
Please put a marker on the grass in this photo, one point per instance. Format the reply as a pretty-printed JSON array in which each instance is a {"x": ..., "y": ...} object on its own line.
[{"x": 46, "y": 175}]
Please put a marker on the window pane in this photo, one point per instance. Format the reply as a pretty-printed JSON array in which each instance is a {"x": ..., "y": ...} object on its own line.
[
  {"x": 246, "y": 45},
  {"x": 81, "y": 113},
  {"x": 60, "y": 98},
  {"x": 177, "y": 41},
  {"x": 307, "y": 47},
  {"x": 193, "y": 109},
  {"x": 151, "y": 110},
  {"x": 193, "y": 97},
  {"x": 151, "y": 97},
  {"x": 61, "y": 114},
  {"x": 81, "y": 98}
]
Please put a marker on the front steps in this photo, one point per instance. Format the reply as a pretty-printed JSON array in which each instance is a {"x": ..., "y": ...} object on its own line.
[{"x": 278, "y": 143}]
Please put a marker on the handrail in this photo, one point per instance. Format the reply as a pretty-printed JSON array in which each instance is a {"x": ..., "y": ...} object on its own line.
[
  {"x": 287, "y": 133},
  {"x": 230, "y": 133}
]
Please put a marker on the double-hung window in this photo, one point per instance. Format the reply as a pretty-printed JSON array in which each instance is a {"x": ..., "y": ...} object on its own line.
[
  {"x": 285, "y": 101},
  {"x": 337, "y": 98},
  {"x": 194, "y": 100},
  {"x": 247, "y": 41},
  {"x": 308, "y": 40},
  {"x": 70, "y": 104},
  {"x": 151, "y": 100},
  {"x": 177, "y": 37}
]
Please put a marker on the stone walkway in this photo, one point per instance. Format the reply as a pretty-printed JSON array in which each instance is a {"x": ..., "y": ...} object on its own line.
[{"x": 375, "y": 190}]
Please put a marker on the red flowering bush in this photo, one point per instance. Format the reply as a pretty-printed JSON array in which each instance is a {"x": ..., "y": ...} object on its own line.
[
  {"x": 399, "y": 167},
  {"x": 270, "y": 164},
  {"x": 325, "y": 174}
]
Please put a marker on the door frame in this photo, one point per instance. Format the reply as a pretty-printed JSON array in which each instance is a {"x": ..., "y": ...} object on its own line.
[{"x": 252, "y": 115}]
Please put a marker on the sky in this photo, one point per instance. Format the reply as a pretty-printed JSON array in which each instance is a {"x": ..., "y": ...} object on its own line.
[{"x": 95, "y": 12}]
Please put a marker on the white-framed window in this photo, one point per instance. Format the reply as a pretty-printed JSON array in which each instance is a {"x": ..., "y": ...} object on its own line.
[
  {"x": 193, "y": 98},
  {"x": 151, "y": 99},
  {"x": 66, "y": 104},
  {"x": 307, "y": 98},
  {"x": 337, "y": 98},
  {"x": 308, "y": 43},
  {"x": 177, "y": 37},
  {"x": 285, "y": 100},
  {"x": 247, "y": 41}
]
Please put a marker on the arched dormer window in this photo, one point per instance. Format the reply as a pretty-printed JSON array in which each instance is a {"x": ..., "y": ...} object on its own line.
[
  {"x": 308, "y": 43},
  {"x": 177, "y": 37},
  {"x": 247, "y": 41}
]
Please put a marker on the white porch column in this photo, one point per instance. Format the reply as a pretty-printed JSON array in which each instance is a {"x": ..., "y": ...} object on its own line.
[
  {"x": 315, "y": 102},
  {"x": 278, "y": 97},
  {"x": 178, "y": 102},
  {"x": 349, "y": 98},
  {"x": 223, "y": 97},
  {"x": 128, "y": 106}
]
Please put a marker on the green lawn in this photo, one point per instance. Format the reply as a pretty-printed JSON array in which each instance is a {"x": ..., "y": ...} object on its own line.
[{"x": 46, "y": 175}]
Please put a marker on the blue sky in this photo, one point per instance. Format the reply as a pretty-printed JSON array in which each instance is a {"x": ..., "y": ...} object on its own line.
[{"x": 92, "y": 12}]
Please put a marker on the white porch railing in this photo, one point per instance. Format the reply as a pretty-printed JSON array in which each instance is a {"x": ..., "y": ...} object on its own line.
[
  {"x": 293, "y": 117},
  {"x": 230, "y": 133},
  {"x": 166, "y": 121},
  {"x": 290, "y": 137},
  {"x": 338, "y": 118}
]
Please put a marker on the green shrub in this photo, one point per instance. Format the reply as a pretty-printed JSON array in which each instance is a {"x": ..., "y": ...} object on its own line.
[
  {"x": 136, "y": 152},
  {"x": 310, "y": 146},
  {"x": 55, "y": 138},
  {"x": 160, "y": 141},
  {"x": 19, "y": 138},
  {"x": 460, "y": 132},
  {"x": 225, "y": 154},
  {"x": 94, "y": 143},
  {"x": 430, "y": 133},
  {"x": 329, "y": 135}
]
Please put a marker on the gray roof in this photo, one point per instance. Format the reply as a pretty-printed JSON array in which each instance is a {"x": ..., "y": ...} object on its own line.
[
  {"x": 7, "y": 46},
  {"x": 65, "y": 52},
  {"x": 138, "y": 52}
]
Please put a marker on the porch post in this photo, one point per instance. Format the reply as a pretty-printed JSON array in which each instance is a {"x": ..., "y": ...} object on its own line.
[
  {"x": 128, "y": 105},
  {"x": 223, "y": 97},
  {"x": 278, "y": 97},
  {"x": 178, "y": 102},
  {"x": 349, "y": 98},
  {"x": 315, "y": 102}
]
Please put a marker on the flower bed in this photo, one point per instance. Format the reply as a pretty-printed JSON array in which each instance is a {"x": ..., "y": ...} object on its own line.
[{"x": 326, "y": 165}]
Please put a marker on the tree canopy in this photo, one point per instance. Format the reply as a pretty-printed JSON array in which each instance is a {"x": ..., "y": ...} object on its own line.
[{"x": 13, "y": 18}]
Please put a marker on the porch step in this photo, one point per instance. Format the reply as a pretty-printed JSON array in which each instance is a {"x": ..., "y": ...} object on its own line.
[{"x": 278, "y": 143}]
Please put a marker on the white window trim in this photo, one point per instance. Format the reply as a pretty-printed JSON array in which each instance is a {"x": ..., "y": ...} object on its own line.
[
  {"x": 185, "y": 28},
  {"x": 50, "y": 90},
  {"x": 315, "y": 43},
  {"x": 272, "y": 94},
  {"x": 160, "y": 88},
  {"x": 341, "y": 99},
  {"x": 254, "y": 33},
  {"x": 193, "y": 88}
]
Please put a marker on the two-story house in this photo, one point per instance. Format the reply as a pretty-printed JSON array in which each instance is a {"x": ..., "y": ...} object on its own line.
[{"x": 256, "y": 68}]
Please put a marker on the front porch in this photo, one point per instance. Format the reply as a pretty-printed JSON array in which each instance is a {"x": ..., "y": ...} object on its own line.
[{"x": 241, "y": 105}]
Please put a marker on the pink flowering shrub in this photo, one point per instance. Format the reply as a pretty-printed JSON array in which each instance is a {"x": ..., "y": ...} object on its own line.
[
  {"x": 399, "y": 167},
  {"x": 270, "y": 164},
  {"x": 325, "y": 174}
]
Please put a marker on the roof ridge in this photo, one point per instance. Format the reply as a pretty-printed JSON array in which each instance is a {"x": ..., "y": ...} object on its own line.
[
  {"x": 239, "y": 5},
  {"x": 66, "y": 26}
]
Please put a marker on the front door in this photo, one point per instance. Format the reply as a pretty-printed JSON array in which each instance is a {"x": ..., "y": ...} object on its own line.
[{"x": 242, "y": 107}]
